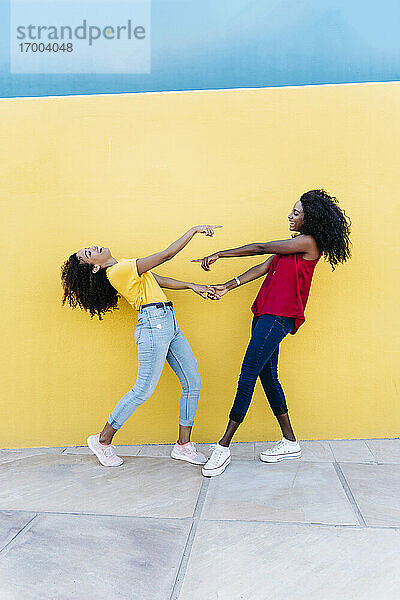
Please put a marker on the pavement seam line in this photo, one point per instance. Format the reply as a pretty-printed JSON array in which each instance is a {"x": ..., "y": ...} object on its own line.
[
  {"x": 349, "y": 494},
  {"x": 92, "y": 514},
  {"x": 149, "y": 517},
  {"x": 372, "y": 451},
  {"x": 22, "y": 530},
  {"x": 180, "y": 576}
]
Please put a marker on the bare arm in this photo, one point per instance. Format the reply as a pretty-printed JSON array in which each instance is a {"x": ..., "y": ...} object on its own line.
[
  {"x": 300, "y": 243},
  {"x": 154, "y": 260},
  {"x": 246, "y": 277},
  {"x": 174, "y": 284},
  {"x": 171, "y": 284}
]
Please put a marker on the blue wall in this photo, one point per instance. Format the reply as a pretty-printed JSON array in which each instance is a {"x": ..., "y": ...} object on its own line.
[{"x": 208, "y": 44}]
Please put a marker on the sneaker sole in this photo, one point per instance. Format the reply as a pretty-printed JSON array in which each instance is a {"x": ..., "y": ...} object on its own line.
[
  {"x": 217, "y": 471},
  {"x": 89, "y": 443},
  {"x": 275, "y": 459},
  {"x": 187, "y": 459}
]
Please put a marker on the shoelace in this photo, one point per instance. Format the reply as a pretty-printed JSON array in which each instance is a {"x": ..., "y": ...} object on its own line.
[
  {"x": 191, "y": 448},
  {"x": 277, "y": 446},
  {"x": 217, "y": 454},
  {"x": 280, "y": 445}
]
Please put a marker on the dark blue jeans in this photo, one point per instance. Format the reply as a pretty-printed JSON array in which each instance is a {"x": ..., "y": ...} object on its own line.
[{"x": 261, "y": 360}]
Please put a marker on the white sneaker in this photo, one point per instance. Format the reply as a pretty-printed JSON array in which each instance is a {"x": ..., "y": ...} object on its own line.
[
  {"x": 218, "y": 461},
  {"x": 105, "y": 454},
  {"x": 283, "y": 450},
  {"x": 189, "y": 453}
]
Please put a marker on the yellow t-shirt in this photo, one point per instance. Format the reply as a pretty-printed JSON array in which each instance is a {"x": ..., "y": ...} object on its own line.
[{"x": 136, "y": 289}]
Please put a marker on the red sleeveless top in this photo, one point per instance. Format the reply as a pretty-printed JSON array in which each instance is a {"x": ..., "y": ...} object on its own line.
[{"x": 285, "y": 289}]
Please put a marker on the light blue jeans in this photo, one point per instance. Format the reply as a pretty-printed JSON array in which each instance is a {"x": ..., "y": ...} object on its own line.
[{"x": 159, "y": 338}]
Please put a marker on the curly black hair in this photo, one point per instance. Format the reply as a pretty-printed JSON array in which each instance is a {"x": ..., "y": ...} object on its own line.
[
  {"x": 328, "y": 224},
  {"x": 90, "y": 291}
]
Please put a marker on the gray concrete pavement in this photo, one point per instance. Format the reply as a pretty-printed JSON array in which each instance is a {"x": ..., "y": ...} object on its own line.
[{"x": 326, "y": 526}]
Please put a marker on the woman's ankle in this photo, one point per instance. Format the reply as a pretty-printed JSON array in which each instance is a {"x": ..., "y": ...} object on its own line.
[
  {"x": 224, "y": 444},
  {"x": 104, "y": 442}
]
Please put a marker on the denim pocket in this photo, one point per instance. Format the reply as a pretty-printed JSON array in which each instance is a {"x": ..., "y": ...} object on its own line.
[
  {"x": 137, "y": 332},
  {"x": 157, "y": 315},
  {"x": 286, "y": 324},
  {"x": 142, "y": 323},
  {"x": 144, "y": 339}
]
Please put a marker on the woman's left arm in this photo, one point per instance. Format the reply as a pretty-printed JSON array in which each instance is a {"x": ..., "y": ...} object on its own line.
[
  {"x": 250, "y": 275},
  {"x": 300, "y": 243},
  {"x": 174, "y": 284}
]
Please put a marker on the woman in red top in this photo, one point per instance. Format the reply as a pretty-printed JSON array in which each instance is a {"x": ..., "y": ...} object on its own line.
[{"x": 278, "y": 310}]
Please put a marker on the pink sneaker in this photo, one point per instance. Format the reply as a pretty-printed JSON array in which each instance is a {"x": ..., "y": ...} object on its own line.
[
  {"x": 189, "y": 453},
  {"x": 105, "y": 454}
]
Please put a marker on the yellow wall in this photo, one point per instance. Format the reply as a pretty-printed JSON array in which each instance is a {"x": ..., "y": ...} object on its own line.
[{"x": 133, "y": 172}]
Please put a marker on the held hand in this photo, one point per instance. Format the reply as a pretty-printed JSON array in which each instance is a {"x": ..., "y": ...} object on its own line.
[
  {"x": 218, "y": 292},
  {"x": 202, "y": 290},
  {"x": 206, "y": 229},
  {"x": 207, "y": 261}
]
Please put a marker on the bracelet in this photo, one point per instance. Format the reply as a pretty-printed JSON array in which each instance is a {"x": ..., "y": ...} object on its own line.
[{"x": 237, "y": 280}]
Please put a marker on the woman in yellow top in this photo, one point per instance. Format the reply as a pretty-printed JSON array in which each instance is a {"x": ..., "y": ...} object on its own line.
[{"x": 92, "y": 279}]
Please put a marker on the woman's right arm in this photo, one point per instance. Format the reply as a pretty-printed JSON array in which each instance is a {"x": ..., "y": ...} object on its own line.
[{"x": 154, "y": 260}]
